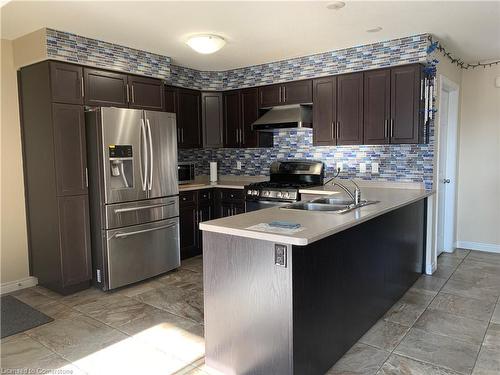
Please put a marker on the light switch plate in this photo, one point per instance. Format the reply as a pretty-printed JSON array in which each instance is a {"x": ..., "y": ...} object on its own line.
[
  {"x": 362, "y": 167},
  {"x": 238, "y": 165},
  {"x": 374, "y": 168},
  {"x": 340, "y": 166}
]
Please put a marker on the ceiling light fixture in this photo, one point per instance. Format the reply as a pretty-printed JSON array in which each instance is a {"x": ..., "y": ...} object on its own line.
[
  {"x": 336, "y": 5},
  {"x": 206, "y": 43},
  {"x": 374, "y": 30}
]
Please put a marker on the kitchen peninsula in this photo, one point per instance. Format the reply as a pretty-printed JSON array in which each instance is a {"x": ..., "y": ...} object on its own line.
[{"x": 294, "y": 302}]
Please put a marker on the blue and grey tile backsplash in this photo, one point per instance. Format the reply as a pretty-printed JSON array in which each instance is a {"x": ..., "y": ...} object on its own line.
[{"x": 402, "y": 163}]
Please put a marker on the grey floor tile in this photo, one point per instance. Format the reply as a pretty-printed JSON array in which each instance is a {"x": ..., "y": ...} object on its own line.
[
  {"x": 460, "y": 253},
  {"x": 481, "y": 256},
  {"x": 477, "y": 276},
  {"x": 440, "y": 350},
  {"x": 398, "y": 365},
  {"x": 429, "y": 283},
  {"x": 85, "y": 296},
  {"x": 182, "y": 278},
  {"x": 193, "y": 264},
  {"x": 32, "y": 297},
  {"x": 444, "y": 272},
  {"x": 492, "y": 337},
  {"x": 445, "y": 259},
  {"x": 469, "y": 290},
  {"x": 404, "y": 313},
  {"x": 181, "y": 302},
  {"x": 385, "y": 335},
  {"x": 463, "y": 306},
  {"x": 360, "y": 360},
  {"x": 496, "y": 314},
  {"x": 488, "y": 362},
  {"x": 482, "y": 266},
  {"x": 138, "y": 288},
  {"x": 418, "y": 297},
  {"x": 442, "y": 323},
  {"x": 57, "y": 310},
  {"x": 21, "y": 351}
]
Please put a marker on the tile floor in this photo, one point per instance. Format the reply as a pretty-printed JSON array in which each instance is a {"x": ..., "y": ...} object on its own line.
[{"x": 446, "y": 324}]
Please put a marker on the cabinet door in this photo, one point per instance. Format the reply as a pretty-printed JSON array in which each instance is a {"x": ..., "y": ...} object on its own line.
[
  {"x": 270, "y": 96},
  {"x": 70, "y": 149},
  {"x": 297, "y": 92},
  {"x": 204, "y": 214},
  {"x": 170, "y": 99},
  {"x": 232, "y": 119},
  {"x": 188, "y": 224},
  {"x": 226, "y": 209},
  {"x": 212, "y": 119},
  {"x": 189, "y": 118},
  {"x": 146, "y": 93},
  {"x": 350, "y": 109},
  {"x": 324, "y": 111},
  {"x": 238, "y": 208},
  {"x": 405, "y": 104},
  {"x": 74, "y": 239},
  {"x": 377, "y": 106},
  {"x": 249, "y": 114},
  {"x": 66, "y": 83},
  {"x": 104, "y": 88}
]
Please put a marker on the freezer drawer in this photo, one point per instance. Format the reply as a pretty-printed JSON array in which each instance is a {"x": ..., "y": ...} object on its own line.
[
  {"x": 140, "y": 212},
  {"x": 138, "y": 252}
]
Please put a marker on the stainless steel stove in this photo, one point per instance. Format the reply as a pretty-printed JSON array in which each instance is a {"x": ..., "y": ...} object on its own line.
[{"x": 286, "y": 178}]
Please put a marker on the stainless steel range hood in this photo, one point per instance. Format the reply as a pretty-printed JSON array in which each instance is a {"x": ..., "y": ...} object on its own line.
[{"x": 285, "y": 117}]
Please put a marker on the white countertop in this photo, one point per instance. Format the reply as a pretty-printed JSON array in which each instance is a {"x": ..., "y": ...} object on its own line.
[
  {"x": 225, "y": 182},
  {"x": 316, "y": 225}
]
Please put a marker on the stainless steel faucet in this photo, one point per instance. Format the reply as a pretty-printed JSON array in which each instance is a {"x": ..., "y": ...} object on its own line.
[{"x": 355, "y": 196}]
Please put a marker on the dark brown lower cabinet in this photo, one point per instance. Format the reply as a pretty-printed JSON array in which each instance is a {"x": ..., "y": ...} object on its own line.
[{"x": 229, "y": 202}]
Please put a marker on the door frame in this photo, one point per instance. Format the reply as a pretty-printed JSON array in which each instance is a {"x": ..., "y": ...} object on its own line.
[{"x": 453, "y": 90}]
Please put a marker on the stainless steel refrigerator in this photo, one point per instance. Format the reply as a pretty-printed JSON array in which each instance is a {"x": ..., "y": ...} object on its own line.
[{"x": 134, "y": 203}]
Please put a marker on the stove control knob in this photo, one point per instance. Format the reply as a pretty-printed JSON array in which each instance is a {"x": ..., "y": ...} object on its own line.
[
  {"x": 278, "y": 194},
  {"x": 255, "y": 192},
  {"x": 265, "y": 193},
  {"x": 249, "y": 192},
  {"x": 286, "y": 194}
]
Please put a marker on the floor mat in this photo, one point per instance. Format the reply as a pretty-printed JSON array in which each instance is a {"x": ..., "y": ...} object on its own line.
[{"x": 16, "y": 317}]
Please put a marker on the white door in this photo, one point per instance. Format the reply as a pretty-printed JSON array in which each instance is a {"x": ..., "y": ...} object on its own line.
[{"x": 446, "y": 182}]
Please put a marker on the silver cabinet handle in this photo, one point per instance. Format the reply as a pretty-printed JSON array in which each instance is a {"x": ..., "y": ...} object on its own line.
[
  {"x": 82, "y": 87},
  {"x": 133, "y": 94},
  {"x": 150, "y": 182},
  {"x": 284, "y": 94},
  {"x": 280, "y": 95},
  {"x": 131, "y": 209},
  {"x": 144, "y": 147},
  {"x": 332, "y": 130},
  {"x": 338, "y": 130},
  {"x": 86, "y": 177},
  {"x": 392, "y": 128},
  {"x": 386, "y": 126},
  {"x": 123, "y": 235},
  {"x": 128, "y": 99}
]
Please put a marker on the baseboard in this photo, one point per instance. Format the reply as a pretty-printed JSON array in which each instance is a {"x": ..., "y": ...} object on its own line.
[
  {"x": 430, "y": 268},
  {"x": 12, "y": 286},
  {"x": 489, "y": 247}
]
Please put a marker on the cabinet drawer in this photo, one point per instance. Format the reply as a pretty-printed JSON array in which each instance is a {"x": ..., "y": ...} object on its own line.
[
  {"x": 187, "y": 197},
  {"x": 205, "y": 196},
  {"x": 232, "y": 195}
]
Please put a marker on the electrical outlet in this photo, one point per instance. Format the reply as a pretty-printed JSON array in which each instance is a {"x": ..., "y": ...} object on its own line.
[
  {"x": 280, "y": 255},
  {"x": 340, "y": 166},
  {"x": 374, "y": 168},
  {"x": 238, "y": 165},
  {"x": 362, "y": 167}
]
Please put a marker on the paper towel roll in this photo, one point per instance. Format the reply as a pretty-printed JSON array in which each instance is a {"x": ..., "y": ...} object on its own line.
[{"x": 213, "y": 171}]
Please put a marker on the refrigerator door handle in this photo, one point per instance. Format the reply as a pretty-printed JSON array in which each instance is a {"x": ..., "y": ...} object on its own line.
[
  {"x": 150, "y": 182},
  {"x": 144, "y": 147}
]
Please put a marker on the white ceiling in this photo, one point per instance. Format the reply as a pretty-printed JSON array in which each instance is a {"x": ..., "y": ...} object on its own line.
[{"x": 262, "y": 31}]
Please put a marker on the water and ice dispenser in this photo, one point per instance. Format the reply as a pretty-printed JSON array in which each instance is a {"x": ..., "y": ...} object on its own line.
[{"x": 121, "y": 166}]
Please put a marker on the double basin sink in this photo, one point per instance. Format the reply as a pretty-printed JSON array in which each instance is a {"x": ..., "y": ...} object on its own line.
[{"x": 328, "y": 204}]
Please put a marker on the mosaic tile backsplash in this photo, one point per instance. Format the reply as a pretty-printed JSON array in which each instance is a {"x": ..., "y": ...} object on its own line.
[
  {"x": 86, "y": 51},
  {"x": 403, "y": 163},
  {"x": 371, "y": 56}
]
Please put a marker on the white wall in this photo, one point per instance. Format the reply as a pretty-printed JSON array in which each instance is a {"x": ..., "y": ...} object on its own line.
[
  {"x": 14, "y": 247},
  {"x": 478, "y": 218}
]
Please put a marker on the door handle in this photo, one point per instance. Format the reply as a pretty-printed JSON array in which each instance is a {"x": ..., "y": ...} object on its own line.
[
  {"x": 280, "y": 95},
  {"x": 446, "y": 181},
  {"x": 128, "y": 98},
  {"x": 86, "y": 177},
  {"x": 83, "y": 89},
  {"x": 338, "y": 130},
  {"x": 129, "y": 209},
  {"x": 392, "y": 128},
  {"x": 150, "y": 182},
  {"x": 284, "y": 94},
  {"x": 133, "y": 94},
  {"x": 144, "y": 148},
  {"x": 332, "y": 130},
  {"x": 386, "y": 128},
  {"x": 126, "y": 234}
]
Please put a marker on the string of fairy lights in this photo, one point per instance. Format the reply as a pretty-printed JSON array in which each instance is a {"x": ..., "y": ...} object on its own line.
[{"x": 435, "y": 45}]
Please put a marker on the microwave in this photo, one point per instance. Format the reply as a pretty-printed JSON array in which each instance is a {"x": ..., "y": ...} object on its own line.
[{"x": 185, "y": 172}]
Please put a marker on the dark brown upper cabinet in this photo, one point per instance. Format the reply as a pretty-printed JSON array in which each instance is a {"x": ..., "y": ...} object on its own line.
[
  {"x": 66, "y": 82},
  {"x": 295, "y": 92},
  {"x": 377, "y": 106},
  {"x": 249, "y": 114},
  {"x": 349, "y": 129},
  {"x": 406, "y": 120},
  {"x": 146, "y": 93},
  {"x": 103, "y": 88},
  {"x": 170, "y": 99},
  {"x": 325, "y": 111},
  {"x": 188, "y": 112},
  {"x": 233, "y": 136},
  {"x": 212, "y": 119},
  {"x": 70, "y": 149}
]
